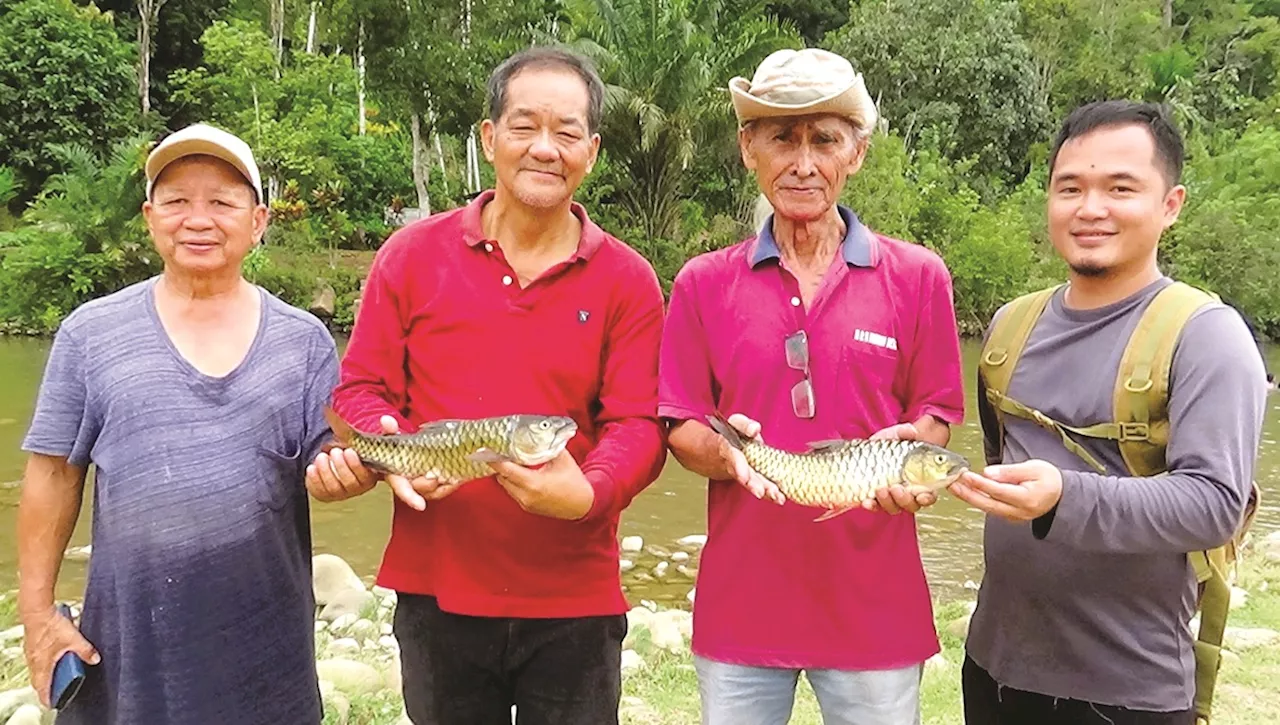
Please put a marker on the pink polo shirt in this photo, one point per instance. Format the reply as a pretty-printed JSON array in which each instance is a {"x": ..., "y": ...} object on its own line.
[{"x": 774, "y": 588}]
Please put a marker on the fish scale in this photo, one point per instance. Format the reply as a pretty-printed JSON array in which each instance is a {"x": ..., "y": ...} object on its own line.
[
  {"x": 832, "y": 477},
  {"x": 439, "y": 449}
]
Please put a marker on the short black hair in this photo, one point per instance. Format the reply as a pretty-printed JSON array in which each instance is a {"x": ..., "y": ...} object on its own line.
[
  {"x": 545, "y": 57},
  {"x": 1154, "y": 117}
]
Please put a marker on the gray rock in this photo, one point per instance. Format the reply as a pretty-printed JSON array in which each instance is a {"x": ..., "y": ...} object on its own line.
[
  {"x": 11, "y": 700},
  {"x": 332, "y": 576},
  {"x": 660, "y": 571},
  {"x": 26, "y": 715},
  {"x": 321, "y": 626},
  {"x": 348, "y": 602},
  {"x": 342, "y": 646},
  {"x": 335, "y": 701},
  {"x": 680, "y": 556},
  {"x": 632, "y": 543},
  {"x": 1243, "y": 638},
  {"x": 362, "y": 629},
  {"x": 693, "y": 540},
  {"x": 393, "y": 680},
  {"x": 341, "y": 623},
  {"x": 631, "y": 660},
  {"x": 324, "y": 300},
  {"x": 79, "y": 553},
  {"x": 385, "y": 628},
  {"x": 626, "y": 565},
  {"x": 350, "y": 677},
  {"x": 389, "y": 643},
  {"x": 12, "y": 634}
]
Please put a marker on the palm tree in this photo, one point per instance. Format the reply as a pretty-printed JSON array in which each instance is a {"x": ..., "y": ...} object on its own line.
[{"x": 666, "y": 65}]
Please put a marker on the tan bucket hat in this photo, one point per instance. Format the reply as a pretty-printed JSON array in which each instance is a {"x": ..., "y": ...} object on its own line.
[{"x": 802, "y": 82}]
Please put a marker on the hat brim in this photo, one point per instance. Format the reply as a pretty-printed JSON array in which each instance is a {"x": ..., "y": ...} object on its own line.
[
  {"x": 844, "y": 103},
  {"x": 162, "y": 157}
]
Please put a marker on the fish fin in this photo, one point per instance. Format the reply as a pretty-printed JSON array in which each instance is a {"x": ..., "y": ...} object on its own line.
[
  {"x": 832, "y": 513},
  {"x": 443, "y": 424},
  {"x": 486, "y": 455},
  {"x": 721, "y": 426},
  {"x": 342, "y": 430},
  {"x": 827, "y": 445}
]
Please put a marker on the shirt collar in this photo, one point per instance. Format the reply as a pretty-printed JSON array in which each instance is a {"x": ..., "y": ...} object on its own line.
[
  {"x": 473, "y": 226},
  {"x": 858, "y": 247}
]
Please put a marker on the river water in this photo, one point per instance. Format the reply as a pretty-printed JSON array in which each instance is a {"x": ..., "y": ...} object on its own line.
[{"x": 673, "y": 507}]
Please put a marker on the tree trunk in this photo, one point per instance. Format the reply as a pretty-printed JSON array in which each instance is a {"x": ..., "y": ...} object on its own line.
[
  {"x": 444, "y": 174},
  {"x": 360, "y": 76},
  {"x": 311, "y": 30},
  {"x": 420, "y": 168},
  {"x": 1168, "y": 14},
  {"x": 277, "y": 33},
  {"x": 148, "y": 18},
  {"x": 473, "y": 162}
]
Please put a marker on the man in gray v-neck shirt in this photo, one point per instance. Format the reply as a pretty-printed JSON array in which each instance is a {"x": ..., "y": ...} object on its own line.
[{"x": 1083, "y": 612}]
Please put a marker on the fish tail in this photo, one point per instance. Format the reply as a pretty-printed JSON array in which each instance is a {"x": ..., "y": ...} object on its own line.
[{"x": 721, "y": 426}]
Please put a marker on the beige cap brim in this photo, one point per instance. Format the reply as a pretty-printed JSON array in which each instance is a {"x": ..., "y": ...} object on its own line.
[
  {"x": 845, "y": 103},
  {"x": 165, "y": 155}
]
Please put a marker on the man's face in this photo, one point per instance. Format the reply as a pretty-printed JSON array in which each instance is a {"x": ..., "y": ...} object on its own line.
[
  {"x": 541, "y": 148},
  {"x": 203, "y": 216},
  {"x": 801, "y": 164},
  {"x": 1109, "y": 201}
]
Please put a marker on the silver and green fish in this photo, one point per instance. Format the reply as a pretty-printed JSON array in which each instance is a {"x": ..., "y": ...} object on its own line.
[
  {"x": 459, "y": 450},
  {"x": 842, "y": 475}
]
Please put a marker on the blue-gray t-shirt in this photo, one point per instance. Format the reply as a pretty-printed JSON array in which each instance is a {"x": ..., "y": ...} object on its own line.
[{"x": 199, "y": 594}]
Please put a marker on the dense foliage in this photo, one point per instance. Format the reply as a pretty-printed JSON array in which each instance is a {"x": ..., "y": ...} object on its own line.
[{"x": 360, "y": 110}]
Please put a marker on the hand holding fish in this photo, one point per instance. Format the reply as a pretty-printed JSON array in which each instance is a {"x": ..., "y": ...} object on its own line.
[
  {"x": 338, "y": 474},
  {"x": 736, "y": 463},
  {"x": 896, "y": 499},
  {"x": 1017, "y": 492},
  {"x": 558, "y": 490}
]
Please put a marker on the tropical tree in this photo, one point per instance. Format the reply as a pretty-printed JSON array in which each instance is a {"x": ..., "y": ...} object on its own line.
[{"x": 667, "y": 64}]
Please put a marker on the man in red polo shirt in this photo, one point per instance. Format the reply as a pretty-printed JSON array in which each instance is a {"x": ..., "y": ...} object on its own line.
[
  {"x": 508, "y": 586},
  {"x": 816, "y": 329}
]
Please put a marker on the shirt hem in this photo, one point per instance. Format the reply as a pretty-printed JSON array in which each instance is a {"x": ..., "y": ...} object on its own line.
[
  {"x": 812, "y": 660},
  {"x": 478, "y": 604}
]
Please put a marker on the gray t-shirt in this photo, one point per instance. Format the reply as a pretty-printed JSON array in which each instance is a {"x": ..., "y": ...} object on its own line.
[
  {"x": 1098, "y": 609},
  {"x": 199, "y": 593}
]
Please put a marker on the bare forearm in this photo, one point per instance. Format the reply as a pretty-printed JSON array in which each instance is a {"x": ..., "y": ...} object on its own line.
[
  {"x": 52, "y": 493},
  {"x": 697, "y": 448}
]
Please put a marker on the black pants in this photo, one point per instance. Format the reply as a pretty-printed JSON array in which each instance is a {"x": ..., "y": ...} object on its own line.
[
  {"x": 986, "y": 703},
  {"x": 461, "y": 670}
]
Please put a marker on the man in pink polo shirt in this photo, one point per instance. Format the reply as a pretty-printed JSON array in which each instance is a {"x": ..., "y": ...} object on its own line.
[{"x": 816, "y": 329}]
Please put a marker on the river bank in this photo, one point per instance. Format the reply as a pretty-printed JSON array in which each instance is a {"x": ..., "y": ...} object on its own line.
[{"x": 357, "y": 657}]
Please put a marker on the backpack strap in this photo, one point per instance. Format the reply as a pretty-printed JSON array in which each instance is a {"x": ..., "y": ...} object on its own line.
[
  {"x": 1142, "y": 384},
  {"x": 1008, "y": 336}
]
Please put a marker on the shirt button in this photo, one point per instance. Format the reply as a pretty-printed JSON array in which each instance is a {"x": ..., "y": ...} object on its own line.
[
  {"x": 795, "y": 301},
  {"x": 506, "y": 279},
  {"x": 488, "y": 247}
]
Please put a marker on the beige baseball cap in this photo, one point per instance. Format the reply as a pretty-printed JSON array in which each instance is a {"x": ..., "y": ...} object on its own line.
[
  {"x": 802, "y": 82},
  {"x": 201, "y": 138}
]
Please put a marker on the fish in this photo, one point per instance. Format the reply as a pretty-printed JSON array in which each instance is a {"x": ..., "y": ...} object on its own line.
[
  {"x": 842, "y": 475},
  {"x": 457, "y": 450}
]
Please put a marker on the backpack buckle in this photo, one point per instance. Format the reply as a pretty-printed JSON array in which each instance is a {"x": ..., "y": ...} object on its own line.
[{"x": 1132, "y": 431}]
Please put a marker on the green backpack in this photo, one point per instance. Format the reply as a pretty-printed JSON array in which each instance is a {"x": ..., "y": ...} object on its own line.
[{"x": 1140, "y": 426}]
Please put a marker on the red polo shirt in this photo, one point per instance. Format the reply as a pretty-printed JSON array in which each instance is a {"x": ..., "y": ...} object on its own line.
[
  {"x": 774, "y": 587},
  {"x": 445, "y": 331}
]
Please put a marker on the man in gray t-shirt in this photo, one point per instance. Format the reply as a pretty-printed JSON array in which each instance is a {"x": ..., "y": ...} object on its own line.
[
  {"x": 1083, "y": 612},
  {"x": 197, "y": 399}
]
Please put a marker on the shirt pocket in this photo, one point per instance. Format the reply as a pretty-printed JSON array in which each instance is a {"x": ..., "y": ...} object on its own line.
[
  {"x": 865, "y": 388},
  {"x": 280, "y": 478}
]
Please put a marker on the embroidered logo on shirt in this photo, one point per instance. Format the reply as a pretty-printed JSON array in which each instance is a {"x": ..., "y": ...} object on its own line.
[
  {"x": 875, "y": 338},
  {"x": 583, "y": 315}
]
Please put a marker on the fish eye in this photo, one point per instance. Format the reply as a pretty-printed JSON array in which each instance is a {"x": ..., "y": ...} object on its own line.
[{"x": 940, "y": 458}]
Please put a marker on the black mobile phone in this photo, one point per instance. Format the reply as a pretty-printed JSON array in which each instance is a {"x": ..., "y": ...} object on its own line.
[{"x": 68, "y": 673}]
